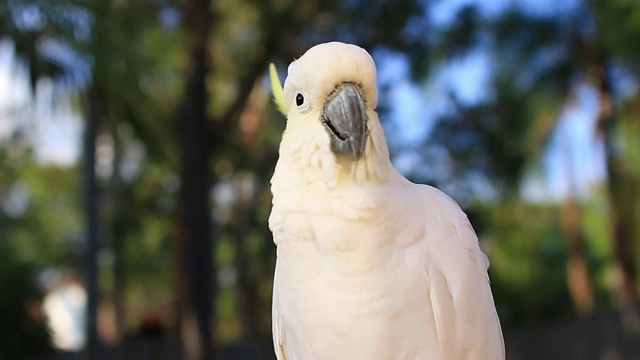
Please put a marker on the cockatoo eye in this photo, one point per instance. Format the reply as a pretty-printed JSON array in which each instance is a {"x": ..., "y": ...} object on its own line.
[{"x": 299, "y": 99}]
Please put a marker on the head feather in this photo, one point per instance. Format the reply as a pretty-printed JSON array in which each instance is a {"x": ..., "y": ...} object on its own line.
[{"x": 276, "y": 88}]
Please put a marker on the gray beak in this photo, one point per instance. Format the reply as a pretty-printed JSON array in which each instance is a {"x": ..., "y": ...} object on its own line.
[{"x": 344, "y": 118}]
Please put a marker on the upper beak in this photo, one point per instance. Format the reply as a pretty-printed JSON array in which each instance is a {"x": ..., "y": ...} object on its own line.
[{"x": 344, "y": 117}]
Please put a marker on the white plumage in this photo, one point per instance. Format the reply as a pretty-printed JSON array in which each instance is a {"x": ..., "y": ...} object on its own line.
[{"x": 369, "y": 265}]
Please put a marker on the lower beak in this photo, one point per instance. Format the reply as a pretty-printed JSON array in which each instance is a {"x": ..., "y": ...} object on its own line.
[{"x": 344, "y": 118}]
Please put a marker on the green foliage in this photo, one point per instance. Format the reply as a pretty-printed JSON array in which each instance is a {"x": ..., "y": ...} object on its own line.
[
  {"x": 41, "y": 221},
  {"x": 26, "y": 230},
  {"x": 527, "y": 267},
  {"x": 618, "y": 24}
]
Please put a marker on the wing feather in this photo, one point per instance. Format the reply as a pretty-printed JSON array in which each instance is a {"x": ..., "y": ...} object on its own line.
[
  {"x": 279, "y": 344},
  {"x": 466, "y": 319},
  {"x": 443, "y": 312}
]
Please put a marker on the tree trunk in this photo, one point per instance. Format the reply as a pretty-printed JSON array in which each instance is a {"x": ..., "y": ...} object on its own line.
[
  {"x": 578, "y": 278},
  {"x": 198, "y": 292},
  {"x": 94, "y": 346},
  {"x": 119, "y": 229},
  {"x": 620, "y": 186}
]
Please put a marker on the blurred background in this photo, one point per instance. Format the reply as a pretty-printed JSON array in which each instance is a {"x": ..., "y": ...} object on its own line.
[{"x": 137, "y": 140}]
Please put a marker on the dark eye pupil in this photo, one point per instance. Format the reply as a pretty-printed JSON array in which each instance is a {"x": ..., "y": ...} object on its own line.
[{"x": 299, "y": 99}]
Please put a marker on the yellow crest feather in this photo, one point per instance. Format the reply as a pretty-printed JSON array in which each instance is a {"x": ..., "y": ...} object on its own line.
[{"x": 276, "y": 88}]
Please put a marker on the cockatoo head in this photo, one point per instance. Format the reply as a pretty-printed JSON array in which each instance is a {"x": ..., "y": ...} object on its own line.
[
  {"x": 330, "y": 97},
  {"x": 334, "y": 84}
]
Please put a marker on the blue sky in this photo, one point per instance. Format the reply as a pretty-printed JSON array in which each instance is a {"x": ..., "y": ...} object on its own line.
[
  {"x": 575, "y": 158},
  {"x": 53, "y": 125}
]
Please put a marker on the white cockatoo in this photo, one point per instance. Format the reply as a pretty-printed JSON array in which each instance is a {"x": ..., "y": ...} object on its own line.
[{"x": 369, "y": 265}]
